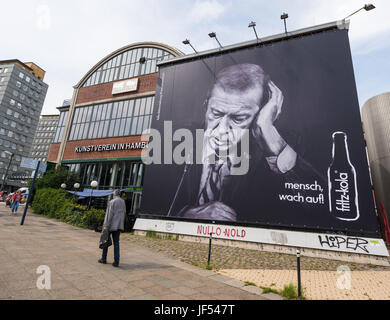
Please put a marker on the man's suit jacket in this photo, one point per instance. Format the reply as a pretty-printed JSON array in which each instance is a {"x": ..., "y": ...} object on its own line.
[{"x": 254, "y": 196}]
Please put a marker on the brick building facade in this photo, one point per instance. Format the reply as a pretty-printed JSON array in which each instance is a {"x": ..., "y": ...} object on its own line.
[{"x": 99, "y": 133}]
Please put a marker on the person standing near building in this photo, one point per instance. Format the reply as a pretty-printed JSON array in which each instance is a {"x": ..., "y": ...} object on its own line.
[
  {"x": 114, "y": 223},
  {"x": 16, "y": 198}
]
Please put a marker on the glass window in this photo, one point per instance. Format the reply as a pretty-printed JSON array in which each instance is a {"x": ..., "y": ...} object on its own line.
[
  {"x": 140, "y": 123},
  {"x": 121, "y": 127},
  {"x": 104, "y": 129},
  {"x": 134, "y": 126},
  {"x": 91, "y": 130},
  {"x": 111, "y": 128},
  {"x": 126, "y": 65},
  {"x": 120, "y": 109}
]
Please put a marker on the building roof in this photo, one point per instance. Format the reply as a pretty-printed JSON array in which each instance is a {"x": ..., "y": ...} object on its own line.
[
  {"x": 157, "y": 45},
  {"x": 16, "y": 61}
]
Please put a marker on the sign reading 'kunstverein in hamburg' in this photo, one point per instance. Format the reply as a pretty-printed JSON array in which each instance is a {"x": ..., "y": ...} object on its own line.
[{"x": 112, "y": 147}]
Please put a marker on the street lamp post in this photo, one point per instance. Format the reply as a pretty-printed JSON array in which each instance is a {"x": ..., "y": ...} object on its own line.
[
  {"x": 187, "y": 42},
  {"x": 6, "y": 172},
  {"x": 284, "y": 16},
  {"x": 76, "y": 186},
  {"x": 367, "y": 7},
  {"x": 94, "y": 184},
  {"x": 253, "y": 25},
  {"x": 214, "y": 35}
]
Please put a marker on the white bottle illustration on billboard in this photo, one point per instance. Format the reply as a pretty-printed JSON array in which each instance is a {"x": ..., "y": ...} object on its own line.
[{"x": 342, "y": 181}]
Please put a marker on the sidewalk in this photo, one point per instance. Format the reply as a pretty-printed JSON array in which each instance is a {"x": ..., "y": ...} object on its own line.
[
  {"x": 321, "y": 285},
  {"x": 71, "y": 254}
]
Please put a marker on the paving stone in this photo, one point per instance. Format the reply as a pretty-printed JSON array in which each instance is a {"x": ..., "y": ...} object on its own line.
[
  {"x": 185, "y": 290},
  {"x": 72, "y": 254}
]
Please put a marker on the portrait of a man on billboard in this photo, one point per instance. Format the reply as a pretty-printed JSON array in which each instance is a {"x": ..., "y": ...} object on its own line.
[
  {"x": 242, "y": 98},
  {"x": 290, "y": 111}
]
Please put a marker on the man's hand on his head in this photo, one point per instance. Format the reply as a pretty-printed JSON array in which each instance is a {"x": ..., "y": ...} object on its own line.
[
  {"x": 264, "y": 131},
  {"x": 271, "y": 111}
]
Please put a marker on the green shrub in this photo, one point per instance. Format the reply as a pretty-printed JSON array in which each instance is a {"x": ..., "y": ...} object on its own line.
[
  {"x": 58, "y": 204},
  {"x": 53, "y": 179},
  {"x": 290, "y": 292}
]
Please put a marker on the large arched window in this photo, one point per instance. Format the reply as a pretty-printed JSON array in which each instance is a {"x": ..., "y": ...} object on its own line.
[{"x": 128, "y": 64}]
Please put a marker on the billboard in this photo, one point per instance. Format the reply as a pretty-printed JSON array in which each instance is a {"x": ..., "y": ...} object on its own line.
[{"x": 290, "y": 110}]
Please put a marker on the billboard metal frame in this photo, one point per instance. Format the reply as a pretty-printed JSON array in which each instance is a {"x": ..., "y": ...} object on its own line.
[{"x": 341, "y": 24}]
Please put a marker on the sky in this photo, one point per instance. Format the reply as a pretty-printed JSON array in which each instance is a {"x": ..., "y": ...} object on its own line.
[{"x": 67, "y": 38}]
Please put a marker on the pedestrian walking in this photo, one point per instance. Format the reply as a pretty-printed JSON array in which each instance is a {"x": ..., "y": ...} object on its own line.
[
  {"x": 114, "y": 223},
  {"x": 16, "y": 199}
]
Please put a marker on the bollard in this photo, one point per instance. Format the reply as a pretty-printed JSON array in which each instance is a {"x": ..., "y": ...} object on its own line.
[
  {"x": 208, "y": 260},
  {"x": 299, "y": 272}
]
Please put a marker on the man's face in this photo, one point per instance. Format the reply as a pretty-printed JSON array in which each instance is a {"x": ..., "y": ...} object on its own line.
[{"x": 229, "y": 114}]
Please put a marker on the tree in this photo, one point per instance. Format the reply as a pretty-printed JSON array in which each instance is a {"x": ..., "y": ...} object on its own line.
[{"x": 54, "y": 178}]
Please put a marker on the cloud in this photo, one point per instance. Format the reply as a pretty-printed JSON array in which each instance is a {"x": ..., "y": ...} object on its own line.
[
  {"x": 68, "y": 38},
  {"x": 43, "y": 17},
  {"x": 206, "y": 11}
]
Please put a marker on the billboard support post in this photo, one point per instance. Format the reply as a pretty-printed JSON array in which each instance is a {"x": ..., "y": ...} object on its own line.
[
  {"x": 299, "y": 272},
  {"x": 30, "y": 193},
  {"x": 208, "y": 259}
]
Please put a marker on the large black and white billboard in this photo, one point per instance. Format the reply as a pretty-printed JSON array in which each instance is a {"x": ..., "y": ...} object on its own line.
[{"x": 289, "y": 111}]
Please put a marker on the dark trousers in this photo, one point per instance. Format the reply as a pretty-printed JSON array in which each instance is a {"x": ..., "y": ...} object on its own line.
[{"x": 115, "y": 240}]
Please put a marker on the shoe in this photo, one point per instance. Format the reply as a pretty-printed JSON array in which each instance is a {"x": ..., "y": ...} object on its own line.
[
  {"x": 102, "y": 261},
  {"x": 115, "y": 264}
]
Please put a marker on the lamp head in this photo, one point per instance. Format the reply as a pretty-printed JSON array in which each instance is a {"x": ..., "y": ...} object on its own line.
[
  {"x": 94, "y": 184},
  {"x": 212, "y": 35},
  {"x": 63, "y": 186},
  {"x": 369, "y": 7},
  {"x": 76, "y": 185},
  {"x": 252, "y": 24},
  {"x": 186, "y": 41},
  {"x": 284, "y": 16}
]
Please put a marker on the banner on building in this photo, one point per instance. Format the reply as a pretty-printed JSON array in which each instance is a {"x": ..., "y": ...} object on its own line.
[{"x": 295, "y": 103}]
